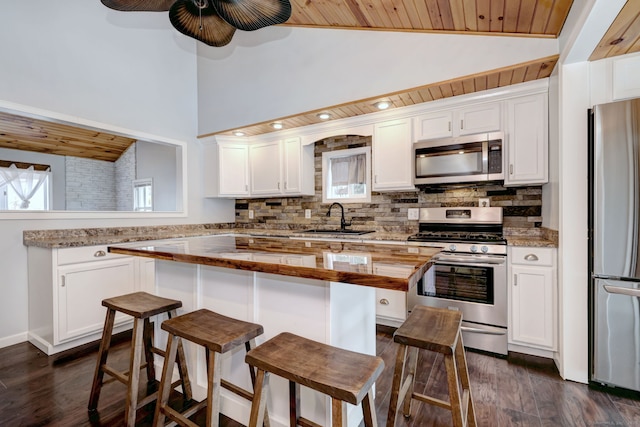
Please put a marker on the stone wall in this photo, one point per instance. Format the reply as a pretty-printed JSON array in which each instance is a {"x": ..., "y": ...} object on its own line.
[{"x": 387, "y": 211}]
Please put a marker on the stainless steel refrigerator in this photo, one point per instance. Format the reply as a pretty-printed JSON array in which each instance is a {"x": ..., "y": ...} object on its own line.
[{"x": 614, "y": 219}]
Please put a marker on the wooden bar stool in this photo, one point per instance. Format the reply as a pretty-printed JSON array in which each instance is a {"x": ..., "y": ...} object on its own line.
[
  {"x": 218, "y": 334},
  {"x": 142, "y": 306},
  {"x": 438, "y": 330},
  {"x": 345, "y": 376}
]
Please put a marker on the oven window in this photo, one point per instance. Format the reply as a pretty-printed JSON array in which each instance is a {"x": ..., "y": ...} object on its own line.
[{"x": 462, "y": 283}]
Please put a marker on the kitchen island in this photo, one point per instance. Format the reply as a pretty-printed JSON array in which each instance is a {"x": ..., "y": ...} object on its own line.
[{"x": 320, "y": 289}]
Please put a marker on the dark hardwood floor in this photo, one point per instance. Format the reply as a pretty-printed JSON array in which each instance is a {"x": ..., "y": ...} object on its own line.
[{"x": 36, "y": 390}]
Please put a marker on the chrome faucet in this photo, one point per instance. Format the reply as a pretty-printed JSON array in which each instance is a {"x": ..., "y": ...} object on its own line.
[{"x": 343, "y": 222}]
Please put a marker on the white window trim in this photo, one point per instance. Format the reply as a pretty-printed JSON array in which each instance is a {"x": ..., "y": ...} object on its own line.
[{"x": 326, "y": 158}]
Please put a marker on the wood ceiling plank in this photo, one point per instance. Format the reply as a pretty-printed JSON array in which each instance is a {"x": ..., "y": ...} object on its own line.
[
  {"x": 469, "y": 85},
  {"x": 470, "y": 16},
  {"x": 511, "y": 14},
  {"x": 497, "y": 16},
  {"x": 457, "y": 15},
  {"x": 480, "y": 83},
  {"x": 493, "y": 80},
  {"x": 527, "y": 8},
  {"x": 434, "y": 14},
  {"x": 518, "y": 75},
  {"x": 423, "y": 14},
  {"x": 483, "y": 14},
  {"x": 446, "y": 15},
  {"x": 541, "y": 15},
  {"x": 447, "y": 90},
  {"x": 359, "y": 13},
  {"x": 457, "y": 88},
  {"x": 558, "y": 17}
]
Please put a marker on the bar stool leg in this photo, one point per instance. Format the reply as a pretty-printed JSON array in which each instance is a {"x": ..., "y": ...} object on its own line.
[
  {"x": 369, "y": 410},
  {"x": 461, "y": 360},
  {"x": 336, "y": 412},
  {"x": 148, "y": 353},
  {"x": 294, "y": 403},
  {"x": 167, "y": 374},
  {"x": 411, "y": 378},
  {"x": 137, "y": 345},
  {"x": 398, "y": 374},
  {"x": 96, "y": 386},
  {"x": 454, "y": 394},
  {"x": 259, "y": 404},
  {"x": 214, "y": 373}
]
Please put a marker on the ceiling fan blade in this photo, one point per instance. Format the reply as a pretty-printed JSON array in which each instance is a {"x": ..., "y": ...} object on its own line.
[
  {"x": 203, "y": 24},
  {"x": 250, "y": 15},
  {"x": 139, "y": 5}
]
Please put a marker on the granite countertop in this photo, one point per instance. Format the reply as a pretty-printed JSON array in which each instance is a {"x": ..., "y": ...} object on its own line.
[
  {"x": 65, "y": 238},
  {"x": 379, "y": 265}
]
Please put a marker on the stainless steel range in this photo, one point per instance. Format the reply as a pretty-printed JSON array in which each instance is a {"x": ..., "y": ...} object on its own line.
[{"x": 469, "y": 275}]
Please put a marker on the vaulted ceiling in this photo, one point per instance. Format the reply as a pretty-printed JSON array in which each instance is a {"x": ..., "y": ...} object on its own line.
[{"x": 525, "y": 18}]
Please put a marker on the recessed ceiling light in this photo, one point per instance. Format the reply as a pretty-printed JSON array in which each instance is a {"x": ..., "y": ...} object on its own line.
[
  {"x": 276, "y": 125},
  {"x": 382, "y": 105},
  {"x": 238, "y": 133},
  {"x": 324, "y": 116}
]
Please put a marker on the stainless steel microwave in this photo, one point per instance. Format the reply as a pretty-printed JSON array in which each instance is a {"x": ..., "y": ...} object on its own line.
[{"x": 469, "y": 158}]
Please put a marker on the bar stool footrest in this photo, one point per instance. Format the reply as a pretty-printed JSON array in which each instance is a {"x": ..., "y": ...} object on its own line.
[{"x": 303, "y": 422}]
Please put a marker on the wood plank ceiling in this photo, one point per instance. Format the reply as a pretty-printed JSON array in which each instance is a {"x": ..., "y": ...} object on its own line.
[
  {"x": 526, "y": 18},
  {"x": 26, "y": 133}
]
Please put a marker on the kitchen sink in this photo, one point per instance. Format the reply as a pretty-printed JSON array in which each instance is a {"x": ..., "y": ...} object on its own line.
[{"x": 338, "y": 231}]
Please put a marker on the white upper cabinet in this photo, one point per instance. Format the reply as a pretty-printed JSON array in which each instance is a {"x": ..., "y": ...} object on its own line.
[
  {"x": 434, "y": 125},
  {"x": 261, "y": 169},
  {"x": 233, "y": 167},
  {"x": 265, "y": 161},
  {"x": 297, "y": 167},
  {"x": 392, "y": 156},
  {"x": 480, "y": 118},
  {"x": 527, "y": 140},
  {"x": 461, "y": 121}
]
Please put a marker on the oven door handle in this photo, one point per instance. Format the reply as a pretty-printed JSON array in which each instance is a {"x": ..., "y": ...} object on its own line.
[
  {"x": 468, "y": 260},
  {"x": 481, "y": 331}
]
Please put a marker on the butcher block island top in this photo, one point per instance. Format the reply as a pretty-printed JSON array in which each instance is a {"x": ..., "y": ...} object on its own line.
[{"x": 379, "y": 265}]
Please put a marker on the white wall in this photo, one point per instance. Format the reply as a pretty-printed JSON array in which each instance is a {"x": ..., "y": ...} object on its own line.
[
  {"x": 125, "y": 70},
  {"x": 578, "y": 86},
  {"x": 280, "y": 71}
]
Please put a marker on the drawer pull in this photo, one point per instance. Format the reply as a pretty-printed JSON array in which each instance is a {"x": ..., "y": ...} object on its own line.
[
  {"x": 384, "y": 301},
  {"x": 99, "y": 254},
  {"x": 531, "y": 257}
]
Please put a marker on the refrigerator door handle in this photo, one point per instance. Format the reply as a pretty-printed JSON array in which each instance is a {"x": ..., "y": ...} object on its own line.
[
  {"x": 616, "y": 278},
  {"x": 622, "y": 291}
]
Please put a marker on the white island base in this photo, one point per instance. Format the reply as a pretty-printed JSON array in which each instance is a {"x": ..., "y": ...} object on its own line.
[{"x": 338, "y": 314}]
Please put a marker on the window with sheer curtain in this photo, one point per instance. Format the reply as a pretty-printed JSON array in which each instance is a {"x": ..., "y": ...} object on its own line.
[
  {"x": 24, "y": 189},
  {"x": 346, "y": 175}
]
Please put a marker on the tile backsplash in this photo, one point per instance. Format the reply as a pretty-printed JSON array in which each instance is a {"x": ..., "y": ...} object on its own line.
[{"x": 387, "y": 211}]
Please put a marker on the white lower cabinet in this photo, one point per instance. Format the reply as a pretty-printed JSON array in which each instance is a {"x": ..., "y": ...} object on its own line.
[
  {"x": 391, "y": 306},
  {"x": 66, "y": 289},
  {"x": 533, "y": 298}
]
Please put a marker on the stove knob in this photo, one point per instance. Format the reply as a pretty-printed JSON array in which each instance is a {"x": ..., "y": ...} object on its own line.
[
  {"x": 452, "y": 248},
  {"x": 473, "y": 248},
  {"x": 484, "y": 249}
]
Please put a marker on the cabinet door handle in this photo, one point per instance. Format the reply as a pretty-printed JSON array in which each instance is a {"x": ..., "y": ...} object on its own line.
[
  {"x": 285, "y": 185},
  {"x": 375, "y": 179},
  {"x": 63, "y": 281},
  {"x": 384, "y": 301},
  {"x": 461, "y": 124},
  {"x": 278, "y": 185},
  {"x": 449, "y": 125},
  {"x": 515, "y": 280},
  {"x": 511, "y": 169},
  {"x": 246, "y": 187},
  {"x": 531, "y": 257},
  {"x": 99, "y": 254}
]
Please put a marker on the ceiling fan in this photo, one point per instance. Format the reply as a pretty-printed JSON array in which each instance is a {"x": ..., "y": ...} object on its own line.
[{"x": 212, "y": 22}]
